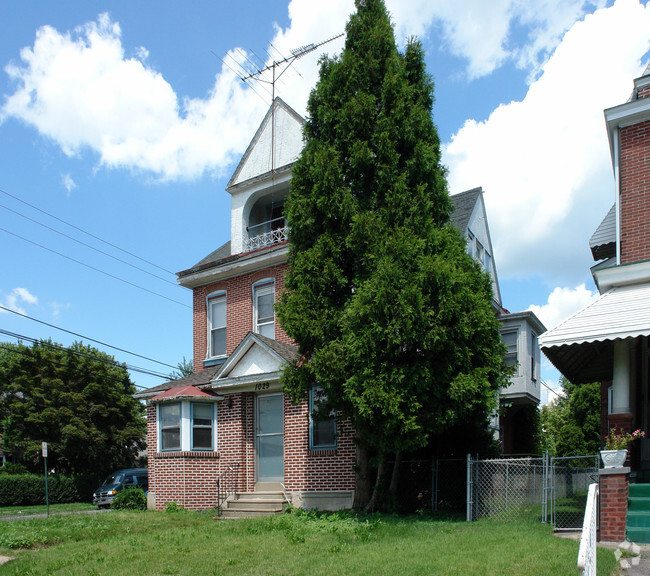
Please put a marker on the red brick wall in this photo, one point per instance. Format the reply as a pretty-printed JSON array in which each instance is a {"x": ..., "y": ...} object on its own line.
[
  {"x": 643, "y": 92},
  {"x": 239, "y": 312},
  {"x": 635, "y": 192},
  {"x": 319, "y": 470},
  {"x": 189, "y": 478},
  {"x": 613, "y": 506}
]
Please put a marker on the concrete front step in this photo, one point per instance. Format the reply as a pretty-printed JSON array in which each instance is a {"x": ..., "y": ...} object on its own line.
[{"x": 253, "y": 504}]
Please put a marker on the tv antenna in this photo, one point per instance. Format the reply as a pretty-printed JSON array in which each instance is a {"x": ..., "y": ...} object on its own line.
[{"x": 279, "y": 67}]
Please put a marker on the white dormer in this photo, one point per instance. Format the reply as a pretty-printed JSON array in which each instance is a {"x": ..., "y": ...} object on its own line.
[{"x": 260, "y": 184}]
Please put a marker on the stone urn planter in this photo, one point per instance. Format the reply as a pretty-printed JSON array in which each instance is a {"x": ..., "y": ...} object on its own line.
[{"x": 613, "y": 458}]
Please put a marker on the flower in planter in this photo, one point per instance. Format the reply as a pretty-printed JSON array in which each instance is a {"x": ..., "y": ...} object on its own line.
[{"x": 618, "y": 440}]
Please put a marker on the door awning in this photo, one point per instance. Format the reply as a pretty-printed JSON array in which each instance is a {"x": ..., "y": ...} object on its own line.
[{"x": 581, "y": 346}]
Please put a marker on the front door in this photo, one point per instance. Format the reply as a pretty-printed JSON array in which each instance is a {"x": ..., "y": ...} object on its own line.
[{"x": 269, "y": 444}]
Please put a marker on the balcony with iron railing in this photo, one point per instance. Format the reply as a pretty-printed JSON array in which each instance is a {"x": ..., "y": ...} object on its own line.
[{"x": 266, "y": 234}]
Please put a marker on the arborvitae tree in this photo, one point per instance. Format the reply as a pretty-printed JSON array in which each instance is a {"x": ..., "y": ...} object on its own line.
[
  {"x": 78, "y": 400},
  {"x": 392, "y": 316}
]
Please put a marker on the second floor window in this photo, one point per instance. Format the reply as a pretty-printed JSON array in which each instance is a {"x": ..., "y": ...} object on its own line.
[
  {"x": 510, "y": 340},
  {"x": 217, "y": 325},
  {"x": 263, "y": 313}
]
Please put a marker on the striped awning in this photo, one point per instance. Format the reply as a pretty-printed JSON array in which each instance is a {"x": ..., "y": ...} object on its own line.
[{"x": 581, "y": 346}]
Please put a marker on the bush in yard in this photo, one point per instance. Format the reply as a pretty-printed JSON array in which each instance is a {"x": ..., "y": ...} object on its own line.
[
  {"x": 13, "y": 468},
  {"x": 29, "y": 490},
  {"x": 131, "y": 498}
]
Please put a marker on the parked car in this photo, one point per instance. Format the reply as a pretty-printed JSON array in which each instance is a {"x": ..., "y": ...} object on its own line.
[{"x": 119, "y": 480}]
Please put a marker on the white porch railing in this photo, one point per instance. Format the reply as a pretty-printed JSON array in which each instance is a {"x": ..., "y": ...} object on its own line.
[
  {"x": 587, "y": 552},
  {"x": 266, "y": 239}
]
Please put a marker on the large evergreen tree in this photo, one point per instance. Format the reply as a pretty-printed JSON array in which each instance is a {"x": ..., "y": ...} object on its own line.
[
  {"x": 392, "y": 317},
  {"x": 78, "y": 400}
]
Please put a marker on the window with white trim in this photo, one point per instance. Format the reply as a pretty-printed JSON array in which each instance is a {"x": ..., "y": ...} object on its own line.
[
  {"x": 217, "y": 325},
  {"x": 202, "y": 415},
  {"x": 169, "y": 418},
  {"x": 322, "y": 427},
  {"x": 263, "y": 312}
]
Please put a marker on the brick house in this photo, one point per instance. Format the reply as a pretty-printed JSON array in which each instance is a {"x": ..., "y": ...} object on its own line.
[
  {"x": 608, "y": 341},
  {"x": 230, "y": 417}
]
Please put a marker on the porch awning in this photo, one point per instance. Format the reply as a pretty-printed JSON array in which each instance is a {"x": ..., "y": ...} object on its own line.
[{"x": 581, "y": 346}]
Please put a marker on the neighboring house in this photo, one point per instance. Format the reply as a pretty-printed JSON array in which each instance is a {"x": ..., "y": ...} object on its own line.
[
  {"x": 231, "y": 413},
  {"x": 607, "y": 341}
]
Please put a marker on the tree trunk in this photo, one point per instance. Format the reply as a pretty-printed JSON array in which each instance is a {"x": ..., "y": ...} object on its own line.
[
  {"x": 362, "y": 486},
  {"x": 374, "y": 499},
  {"x": 394, "y": 479}
]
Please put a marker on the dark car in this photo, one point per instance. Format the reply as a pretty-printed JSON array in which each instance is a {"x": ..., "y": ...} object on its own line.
[{"x": 118, "y": 480}]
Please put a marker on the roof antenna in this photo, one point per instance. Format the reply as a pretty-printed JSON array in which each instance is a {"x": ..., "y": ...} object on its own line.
[{"x": 278, "y": 68}]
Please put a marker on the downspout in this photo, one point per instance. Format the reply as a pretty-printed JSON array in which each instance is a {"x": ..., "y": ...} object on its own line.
[{"x": 617, "y": 185}]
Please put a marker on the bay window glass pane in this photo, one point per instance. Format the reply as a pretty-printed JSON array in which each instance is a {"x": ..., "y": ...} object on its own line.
[
  {"x": 202, "y": 439},
  {"x": 170, "y": 427},
  {"x": 202, "y": 414},
  {"x": 171, "y": 439},
  {"x": 170, "y": 415}
]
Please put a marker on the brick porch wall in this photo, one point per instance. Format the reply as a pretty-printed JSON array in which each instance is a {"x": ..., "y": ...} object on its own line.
[{"x": 613, "y": 503}]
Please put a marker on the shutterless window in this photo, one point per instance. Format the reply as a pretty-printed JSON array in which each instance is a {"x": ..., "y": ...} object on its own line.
[
  {"x": 510, "y": 340},
  {"x": 322, "y": 427},
  {"x": 217, "y": 325},
  {"x": 170, "y": 426},
  {"x": 470, "y": 243},
  {"x": 264, "y": 315},
  {"x": 202, "y": 419}
]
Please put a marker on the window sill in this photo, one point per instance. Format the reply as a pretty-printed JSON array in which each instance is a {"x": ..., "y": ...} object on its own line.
[
  {"x": 180, "y": 454},
  {"x": 214, "y": 361},
  {"x": 321, "y": 452}
]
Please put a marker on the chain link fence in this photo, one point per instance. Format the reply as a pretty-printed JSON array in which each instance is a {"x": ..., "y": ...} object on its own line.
[
  {"x": 569, "y": 482},
  {"x": 506, "y": 489}
]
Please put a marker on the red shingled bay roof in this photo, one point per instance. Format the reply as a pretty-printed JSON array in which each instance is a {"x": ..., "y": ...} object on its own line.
[{"x": 182, "y": 391}]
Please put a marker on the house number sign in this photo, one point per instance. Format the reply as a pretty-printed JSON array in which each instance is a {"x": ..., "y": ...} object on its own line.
[{"x": 262, "y": 386}]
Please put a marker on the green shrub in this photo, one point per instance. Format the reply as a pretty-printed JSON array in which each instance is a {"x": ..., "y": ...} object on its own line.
[
  {"x": 13, "y": 468},
  {"x": 29, "y": 489},
  {"x": 131, "y": 498},
  {"x": 174, "y": 507}
]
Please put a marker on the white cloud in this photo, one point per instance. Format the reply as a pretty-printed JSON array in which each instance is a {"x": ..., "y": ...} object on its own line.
[
  {"x": 57, "y": 308},
  {"x": 484, "y": 33},
  {"x": 562, "y": 303},
  {"x": 16, "y": 299},
  {"x": 68, "y": 183},
  {"x": 544, "y": 162}
]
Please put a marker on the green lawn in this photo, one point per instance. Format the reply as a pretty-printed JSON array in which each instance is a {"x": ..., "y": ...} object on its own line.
[{"x": 126, "y": 543}]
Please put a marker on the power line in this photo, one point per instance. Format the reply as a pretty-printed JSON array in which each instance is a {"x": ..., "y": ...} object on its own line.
[
  {"x": 87, "y": 337},
  {"x": 113, "y": 363},
  {"x": 89, "y": 246},
  {"x": 85, "y": 232},
  {"x": 95, "y": 269},
  {"x": 51, "y": 361}
]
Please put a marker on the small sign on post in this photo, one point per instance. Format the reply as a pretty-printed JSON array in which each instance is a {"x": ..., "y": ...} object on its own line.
[{"x": 47, "y": 496}]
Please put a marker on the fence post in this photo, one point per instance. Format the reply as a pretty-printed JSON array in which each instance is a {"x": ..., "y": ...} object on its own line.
[
  {"x": 545, "y": 488},
  {"x": 469, "y": 488}
]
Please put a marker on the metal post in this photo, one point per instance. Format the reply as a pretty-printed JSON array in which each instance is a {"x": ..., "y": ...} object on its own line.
[
  {"x": 507, "y": 479},
  {"x": 469, "y": 489},
  {"x": 47, "y": 494}
]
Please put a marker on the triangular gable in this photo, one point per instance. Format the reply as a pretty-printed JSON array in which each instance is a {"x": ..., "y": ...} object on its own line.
[
  {"x": 287, "y": 131},
  {"x": 253, "y": 357},
  {"x": 470, "y": 215}
]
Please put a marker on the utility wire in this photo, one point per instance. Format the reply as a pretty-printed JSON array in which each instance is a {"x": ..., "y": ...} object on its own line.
[
  {"x": 113, "y": 363},
  {"x": 95, "y": 269},
  {"x": 89, "y": 246},
  {"x": 87, "y": 337},
  {"x": 85, "y": 232},
  {"x": 51, "y": 361}
]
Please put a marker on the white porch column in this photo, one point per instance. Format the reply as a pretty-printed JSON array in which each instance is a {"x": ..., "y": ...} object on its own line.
[{"x": 621, "y": 378}]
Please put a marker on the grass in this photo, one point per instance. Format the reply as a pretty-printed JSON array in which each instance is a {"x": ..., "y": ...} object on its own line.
[
  {"x": 121, "y": 543},
  {"x": 54, "y": 509}
]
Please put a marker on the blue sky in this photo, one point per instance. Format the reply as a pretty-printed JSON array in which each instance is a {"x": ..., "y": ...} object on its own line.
[{"x": 120, "y": 118}]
